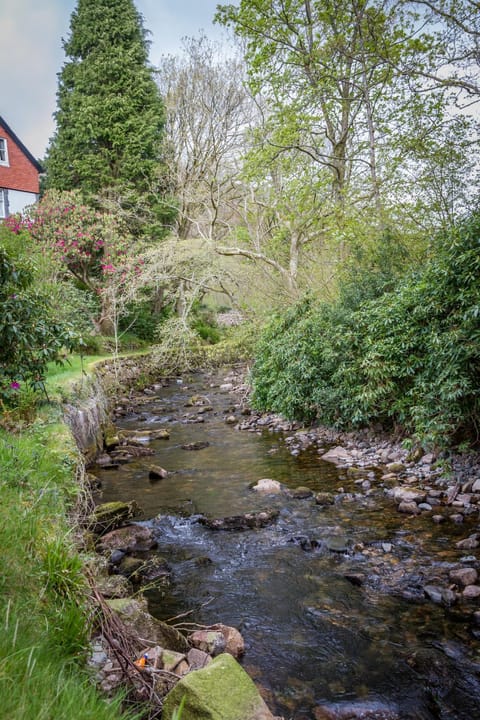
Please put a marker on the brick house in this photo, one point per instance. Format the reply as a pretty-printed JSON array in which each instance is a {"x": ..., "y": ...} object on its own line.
[{"x": 19, "y": 173}]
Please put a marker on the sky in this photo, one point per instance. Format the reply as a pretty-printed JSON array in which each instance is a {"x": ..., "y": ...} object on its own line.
[{"x": 31, "y": 54}]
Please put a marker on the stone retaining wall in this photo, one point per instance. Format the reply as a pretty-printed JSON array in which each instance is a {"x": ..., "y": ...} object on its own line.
[{"x": 93, "y": 397}]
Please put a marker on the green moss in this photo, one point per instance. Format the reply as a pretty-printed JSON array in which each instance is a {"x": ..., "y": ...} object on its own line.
[{"x": 220, "y": 691}]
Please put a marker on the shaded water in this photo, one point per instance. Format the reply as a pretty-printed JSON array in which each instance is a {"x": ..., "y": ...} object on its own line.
[{"x": 312, "y": 637}]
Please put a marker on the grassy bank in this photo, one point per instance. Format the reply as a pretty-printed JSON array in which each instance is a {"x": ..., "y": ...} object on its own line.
[
  {"x": 44, "y": 607},
  {"x": 45, "y": 612}
]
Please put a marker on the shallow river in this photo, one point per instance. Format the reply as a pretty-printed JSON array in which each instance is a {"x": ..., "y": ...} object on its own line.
[{"x": 313, "y": 636}]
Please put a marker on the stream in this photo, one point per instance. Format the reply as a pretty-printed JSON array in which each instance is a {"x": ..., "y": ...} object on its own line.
[{"x": 328, "y": 597}]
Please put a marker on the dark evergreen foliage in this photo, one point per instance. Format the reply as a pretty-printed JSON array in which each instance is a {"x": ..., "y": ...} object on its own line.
[
  {"x": 409, "y": 358},
  {"x": 110, "y": 115}
]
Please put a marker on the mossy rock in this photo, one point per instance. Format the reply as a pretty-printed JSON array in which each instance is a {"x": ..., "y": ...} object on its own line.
[
  {"x": 134, "y": 613},
  {"x": 220, "y": 691},
  {"x": 325, "y": 498},
  {"x": 111, "y": 515},
  {"x": 301, "y": 493}
]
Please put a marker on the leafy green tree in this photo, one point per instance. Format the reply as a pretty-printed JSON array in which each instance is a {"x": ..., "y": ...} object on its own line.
[
  {"x": 110, "y": 115},
  {"x": 347, "y": 84},
  {"x": 317, "y": 65}
]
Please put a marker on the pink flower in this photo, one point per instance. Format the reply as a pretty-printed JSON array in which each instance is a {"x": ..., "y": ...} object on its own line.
[{"x": 15, "y": 385}]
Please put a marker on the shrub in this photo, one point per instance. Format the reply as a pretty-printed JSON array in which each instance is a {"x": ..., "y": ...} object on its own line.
[
  {"x": 30, "y": 336},
  {"x": 408, "y": 358}
]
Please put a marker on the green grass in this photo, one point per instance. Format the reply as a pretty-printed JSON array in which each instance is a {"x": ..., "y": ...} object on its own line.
[
  {"x": 43, "y": 595},
  {"x": 60, "y": 377}
]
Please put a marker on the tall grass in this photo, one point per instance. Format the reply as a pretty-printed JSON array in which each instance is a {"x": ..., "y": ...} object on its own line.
[{"x": 43, "y": 597}]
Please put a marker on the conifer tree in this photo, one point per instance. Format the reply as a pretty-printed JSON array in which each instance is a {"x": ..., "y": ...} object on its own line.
[{"x": 110, "y": 115}]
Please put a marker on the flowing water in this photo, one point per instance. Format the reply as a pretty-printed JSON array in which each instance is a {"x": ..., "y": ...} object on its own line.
[{"x": 313, "y": 635}]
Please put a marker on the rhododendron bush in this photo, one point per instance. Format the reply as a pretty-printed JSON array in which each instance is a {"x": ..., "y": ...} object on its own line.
[{"x": 92, "y": 246}]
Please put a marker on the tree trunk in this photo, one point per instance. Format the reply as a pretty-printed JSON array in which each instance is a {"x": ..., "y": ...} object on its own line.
[{"x": 106, "y": 323}]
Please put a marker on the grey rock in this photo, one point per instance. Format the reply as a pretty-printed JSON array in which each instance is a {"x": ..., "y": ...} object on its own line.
[
  {"x": 408, "y": 494},
  {"x": 426, "y": 507},
  {"x": 469, "y": 543},
  {"x": 434, "y": 593},
  {"x": 463, "y": 576},
  {"x": 409, "y": 508}
]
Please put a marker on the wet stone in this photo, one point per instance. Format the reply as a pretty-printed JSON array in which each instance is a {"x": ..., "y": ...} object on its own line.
[
  {"x": 463, "y": 576},
  {"x": 410, "y": 508},
  {"x": 324, "y": 498},
  {"x": 200, "y": 445},
  {"x": 336, "y": 544},
  {"x": 433, "y": 593},
  {"x": 155, "y": 472},
  {"x": 301, "y": 493},
  {"x": 471, "y": 592}
]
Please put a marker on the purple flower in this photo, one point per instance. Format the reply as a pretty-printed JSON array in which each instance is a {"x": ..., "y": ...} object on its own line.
[{"x": 15, "y": 385}]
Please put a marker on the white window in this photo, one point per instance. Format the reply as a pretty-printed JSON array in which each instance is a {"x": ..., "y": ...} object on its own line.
[
  {"x": 3, "y": 152},
  {"x": 3, "y": 203}
]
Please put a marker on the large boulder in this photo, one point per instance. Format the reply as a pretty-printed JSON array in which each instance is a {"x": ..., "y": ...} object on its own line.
[
  {"x": 134, "y": 614},
  {"x": 220, "y": 691}
]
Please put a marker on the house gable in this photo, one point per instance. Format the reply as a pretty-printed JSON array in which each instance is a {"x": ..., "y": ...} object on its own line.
[{"x": 19, "y": 171}]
